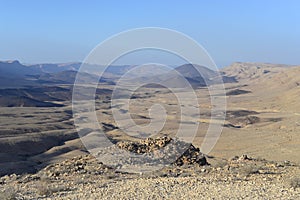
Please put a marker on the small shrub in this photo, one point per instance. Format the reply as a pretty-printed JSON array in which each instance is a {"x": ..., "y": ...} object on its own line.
[
  {"x": 220, "y": 164},
  {"x": 295, "y": 182},
  {"x": 8, "y": 194},
  {"x": 43, "y": 188},
  {"x": 249, "y": 169}
]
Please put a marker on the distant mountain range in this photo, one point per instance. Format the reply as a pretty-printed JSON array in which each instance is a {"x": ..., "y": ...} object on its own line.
[
  {"x": 42, "y": 85},
  {"x": 13, "y": 74},
  {"x": 65, "y": 73},
  {"x": 48, "y": 84},
  {"x": 55, "y": 68}
]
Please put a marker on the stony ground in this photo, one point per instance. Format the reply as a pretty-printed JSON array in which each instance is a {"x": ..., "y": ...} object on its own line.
[{"x": 84, "y": 177}]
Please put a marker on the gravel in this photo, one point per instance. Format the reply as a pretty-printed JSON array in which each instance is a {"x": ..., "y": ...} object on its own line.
[{"x": 84, "y": 177}]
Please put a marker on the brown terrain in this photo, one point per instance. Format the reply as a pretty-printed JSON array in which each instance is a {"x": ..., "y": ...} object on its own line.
[{"x": 256, "y": 157}]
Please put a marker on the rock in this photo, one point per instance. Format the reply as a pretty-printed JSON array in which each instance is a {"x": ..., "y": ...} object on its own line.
[
  {"x": 244, "y": 157},
  {"x": 189, "y": 153}
]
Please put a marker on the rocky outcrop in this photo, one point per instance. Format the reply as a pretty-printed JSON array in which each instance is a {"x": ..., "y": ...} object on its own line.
[{"x": 190, "y": 154}]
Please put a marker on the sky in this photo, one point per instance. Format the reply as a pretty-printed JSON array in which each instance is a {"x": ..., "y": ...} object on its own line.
[{"x": 35, "y": 31}]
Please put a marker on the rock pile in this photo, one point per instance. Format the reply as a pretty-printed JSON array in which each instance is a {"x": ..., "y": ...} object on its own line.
[
  {"x": 144, "y": 146},
  {"x": 167, "y": 147}
]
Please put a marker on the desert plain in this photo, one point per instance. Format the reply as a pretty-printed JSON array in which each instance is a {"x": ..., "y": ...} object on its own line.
[{"x": 256, "y": 156}]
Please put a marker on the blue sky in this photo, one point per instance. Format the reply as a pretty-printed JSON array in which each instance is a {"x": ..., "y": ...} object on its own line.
[{"x": 64, "y": 31}]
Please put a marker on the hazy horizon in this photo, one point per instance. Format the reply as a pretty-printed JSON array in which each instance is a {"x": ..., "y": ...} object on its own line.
[{"x": 128, "y": 64}]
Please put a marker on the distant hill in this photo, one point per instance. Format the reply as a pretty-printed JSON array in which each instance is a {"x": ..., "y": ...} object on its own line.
[
  {"x": 269, "y": 82},
  {"x": 112, "y": 70},
  {"x": 55, "y": 68},
  {"x": 16, "y": 69},
  {"x": 249, "y": 71},
  {"x": 31, "y": 86},
  {"x": 192, "y": 71},
  {"x": 65, "y": 77},
  {"x": 15, "y": 75},
  {"x": 196, "y": 75},
  {"x": 182, "y": 76}
]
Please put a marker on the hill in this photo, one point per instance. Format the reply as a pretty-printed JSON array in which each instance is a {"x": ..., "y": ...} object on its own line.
[{"x": 250, "y": 71}]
